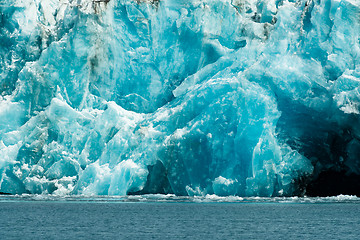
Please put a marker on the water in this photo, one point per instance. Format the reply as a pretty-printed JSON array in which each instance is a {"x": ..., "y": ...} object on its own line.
[{"x": 154, "y": 217}]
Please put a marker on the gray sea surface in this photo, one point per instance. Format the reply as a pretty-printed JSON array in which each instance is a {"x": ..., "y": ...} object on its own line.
[{"x": 171, "y": 217}]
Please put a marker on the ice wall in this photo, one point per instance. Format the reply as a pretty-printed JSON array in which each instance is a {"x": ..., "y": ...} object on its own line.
[{"x": 226, "y": 97}]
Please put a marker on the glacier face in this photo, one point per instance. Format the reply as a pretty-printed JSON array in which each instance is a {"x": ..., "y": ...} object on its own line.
[{"x": 195, "y": 97}]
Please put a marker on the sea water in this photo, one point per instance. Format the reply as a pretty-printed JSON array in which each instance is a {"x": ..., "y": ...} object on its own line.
[{"x": 170, "y": 217}]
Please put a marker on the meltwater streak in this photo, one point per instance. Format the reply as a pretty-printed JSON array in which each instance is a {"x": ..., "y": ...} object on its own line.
[{"x": 32, "y": 217}]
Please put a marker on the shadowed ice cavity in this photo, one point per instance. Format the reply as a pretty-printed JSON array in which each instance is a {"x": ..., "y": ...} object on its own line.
[{"x": 229, "y": 97}]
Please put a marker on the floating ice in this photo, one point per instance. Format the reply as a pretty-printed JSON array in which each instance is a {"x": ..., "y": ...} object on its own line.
[{"x": 225, "y": 97}]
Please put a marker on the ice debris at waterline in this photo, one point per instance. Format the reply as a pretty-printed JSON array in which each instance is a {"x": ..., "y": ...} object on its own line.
[
  {"x": 225, "y": 97},
  {"x": 178, "y": 199}
]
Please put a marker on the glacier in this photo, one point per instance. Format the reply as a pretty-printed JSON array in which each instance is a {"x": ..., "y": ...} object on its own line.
[{"x": 185, "y": 97}]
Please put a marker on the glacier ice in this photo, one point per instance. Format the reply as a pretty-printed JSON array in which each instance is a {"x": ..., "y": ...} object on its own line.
[{"x": 225, "y": 97}]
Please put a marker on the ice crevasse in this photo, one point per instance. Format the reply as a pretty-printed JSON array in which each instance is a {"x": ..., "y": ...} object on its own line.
[{"x": 190, "y": 97}]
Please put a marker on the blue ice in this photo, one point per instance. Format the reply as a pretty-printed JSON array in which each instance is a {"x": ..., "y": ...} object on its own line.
[{"x": 225, "y": 97}]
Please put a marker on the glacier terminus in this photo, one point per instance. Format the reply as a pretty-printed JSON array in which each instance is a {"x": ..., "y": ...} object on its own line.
[{"x": 185, "y": 97}]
